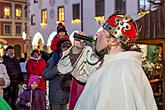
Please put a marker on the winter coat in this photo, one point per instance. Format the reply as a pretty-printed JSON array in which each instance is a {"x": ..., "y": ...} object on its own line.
[
  {"x": 13, "y": 70},
  {"x": 36, "y": 67},
  {"x": 4, "y": 75},
  {"x": 56, "y": 93},
  {"x": 37, "y": 96},
  {"x": 119, "y": 84},
  {"x": 55, "y": 42}
]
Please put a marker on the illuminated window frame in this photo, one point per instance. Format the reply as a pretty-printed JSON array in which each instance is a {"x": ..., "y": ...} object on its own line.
[
  {"x": 60, "y": 14},
  {"x": 44, "y": 16},
  {"x": 18, "y": 12},
  {"x": 7, "y": 11}
]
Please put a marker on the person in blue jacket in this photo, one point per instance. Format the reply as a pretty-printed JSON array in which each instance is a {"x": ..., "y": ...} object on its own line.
[{"x": 58, "y": 97}]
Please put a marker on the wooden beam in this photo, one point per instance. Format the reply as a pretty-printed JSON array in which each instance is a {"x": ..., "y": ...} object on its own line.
[
  {"x": 163, "y": 77},
  {"x": 151, "y": 41}
]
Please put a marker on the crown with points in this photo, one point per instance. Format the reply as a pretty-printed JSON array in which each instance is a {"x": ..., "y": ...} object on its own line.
[{"x": 121, "y": 27}]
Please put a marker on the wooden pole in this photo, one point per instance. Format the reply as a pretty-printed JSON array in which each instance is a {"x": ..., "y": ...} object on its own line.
[{"x": 163, "y": 77}]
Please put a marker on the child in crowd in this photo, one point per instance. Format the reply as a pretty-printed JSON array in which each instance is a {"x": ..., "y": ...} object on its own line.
[
  {"x": 33, "y": 98},
  {"x": 60, "y": 36}
]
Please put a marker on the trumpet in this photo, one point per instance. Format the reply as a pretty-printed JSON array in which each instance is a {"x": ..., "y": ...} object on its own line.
[{"x": 89, "y": 38}]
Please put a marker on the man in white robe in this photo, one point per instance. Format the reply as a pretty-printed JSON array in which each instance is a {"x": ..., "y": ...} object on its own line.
[{"x": 120, "y": 82}]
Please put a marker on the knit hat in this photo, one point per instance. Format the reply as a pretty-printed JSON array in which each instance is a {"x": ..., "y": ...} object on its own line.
[
  {"x": 35, "y": 51},
  {"x": 60, "y": 28},
  {"x": 121, "y": 27},
  {"x": 33, "y": 78},
  {"x": 66, "y": 44}
]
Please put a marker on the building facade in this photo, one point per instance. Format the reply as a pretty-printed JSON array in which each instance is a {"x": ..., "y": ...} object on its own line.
[
  {"x": 13, "y": 26},
  {"x": 80, "y": 15}
]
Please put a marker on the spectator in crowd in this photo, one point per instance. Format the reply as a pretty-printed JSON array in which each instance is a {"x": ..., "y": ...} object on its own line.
[
  {"x": 33, "y": 98},
  {"x": 4, "y": 78},
  {"x": 23, "y": 68},
  {"x": 60, "y": 36},
  {"x": 14, "y": 72},
  {"x": 58, "y": 97},
  {"x": 35, "y": 66}
]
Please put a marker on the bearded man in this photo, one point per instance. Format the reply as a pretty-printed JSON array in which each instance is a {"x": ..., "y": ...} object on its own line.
[{"x": 119, "y": 82}]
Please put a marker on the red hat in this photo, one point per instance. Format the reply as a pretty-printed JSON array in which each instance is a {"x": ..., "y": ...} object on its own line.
[
  {"x": 35, "y": 51},
  {"x": 60, "y": 28},
  {"x": 33, "y": 78},
  {"x": 122, "y": 27}
]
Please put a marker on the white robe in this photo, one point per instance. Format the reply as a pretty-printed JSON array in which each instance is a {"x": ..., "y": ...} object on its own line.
[{"x": 120, "y": 84}]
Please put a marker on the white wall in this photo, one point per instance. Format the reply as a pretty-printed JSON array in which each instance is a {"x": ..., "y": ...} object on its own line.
[{"x": 89, "y": 24}]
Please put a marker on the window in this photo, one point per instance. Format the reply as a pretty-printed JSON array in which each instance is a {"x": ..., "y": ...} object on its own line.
[
  {"x": 44, "y": 16},
  {"x": 35, "y": 1},
  {"x": 25, "y": 28},
  {"x": 18, "y": 12},
  {"x": 18, "y": 29},
  {"x": 76, "y": 11},
  {"x": 60, "y": 14},
  {"x": 120, "y": 5},
  {"x": 144, "y": 5},
  {"x": 32, "y": 19},
  {"x": 99, "y": 8},
  {"x": 26, "y": 13},
  {"x": 7, "y": 29},
  {"x": 7, "y": 11}
]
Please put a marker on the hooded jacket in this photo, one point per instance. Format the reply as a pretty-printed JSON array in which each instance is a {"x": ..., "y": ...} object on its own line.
[{"x": 36, "y": 67}]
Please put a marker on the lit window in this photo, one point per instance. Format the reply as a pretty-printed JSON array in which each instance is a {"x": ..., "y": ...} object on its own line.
[
  {"x": 61, "y": 14},
  {"x": 18, "y": 12},
  {"x": 44, "y": 16},
  {"x": 7, "y": 11}
]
